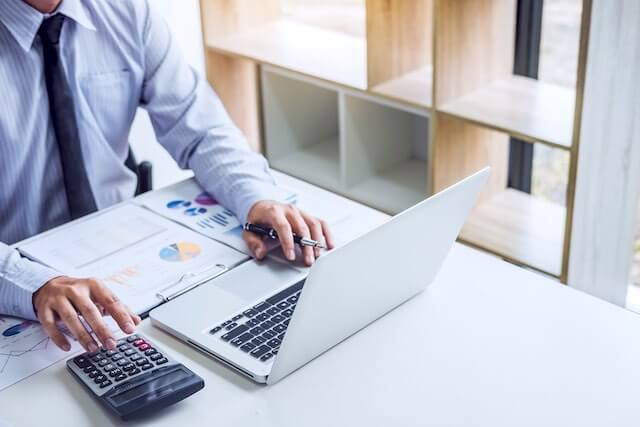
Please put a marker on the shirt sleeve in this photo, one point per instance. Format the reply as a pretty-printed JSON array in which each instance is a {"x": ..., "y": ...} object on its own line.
[
  {"x": 19, "y": 279},
  {"x": 190, "y": 121}
]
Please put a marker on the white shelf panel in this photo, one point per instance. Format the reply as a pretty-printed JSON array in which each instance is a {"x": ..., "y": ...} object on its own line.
[
  {"x": 325, "y": 54},
  {"x": 395, "y": 189},
  {"x": 318, "y": 163}
]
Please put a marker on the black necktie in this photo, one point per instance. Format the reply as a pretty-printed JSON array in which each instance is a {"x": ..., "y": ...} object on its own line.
[{"x": 79, "y": 195}]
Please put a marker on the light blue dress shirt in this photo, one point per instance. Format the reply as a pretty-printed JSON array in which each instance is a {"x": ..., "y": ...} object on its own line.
[{"x": 118, "y": 55}]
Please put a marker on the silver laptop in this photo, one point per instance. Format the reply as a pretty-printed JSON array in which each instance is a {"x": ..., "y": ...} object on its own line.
[{"x": 291, "y": 319}]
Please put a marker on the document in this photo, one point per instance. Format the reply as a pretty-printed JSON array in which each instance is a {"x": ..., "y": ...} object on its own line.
[
  {"x": 26, "y": 349},
  {"x": 141, "y": 256},
  {"x": 188, "y": 204}
]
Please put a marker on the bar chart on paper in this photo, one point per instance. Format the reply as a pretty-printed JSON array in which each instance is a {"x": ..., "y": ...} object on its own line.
[{"x": 25, "y": 349}]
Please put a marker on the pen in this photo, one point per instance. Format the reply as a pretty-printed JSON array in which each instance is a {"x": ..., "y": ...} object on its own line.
[{"x": 273, "y": 234}]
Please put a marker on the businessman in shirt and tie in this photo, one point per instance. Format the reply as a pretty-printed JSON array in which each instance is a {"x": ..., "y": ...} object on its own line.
[{"x": 72, "y": 73}]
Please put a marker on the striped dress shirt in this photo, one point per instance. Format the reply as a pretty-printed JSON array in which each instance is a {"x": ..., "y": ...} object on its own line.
[{"x": 117, "y": 55}]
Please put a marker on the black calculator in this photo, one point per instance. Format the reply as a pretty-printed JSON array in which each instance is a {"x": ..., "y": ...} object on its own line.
[{"x": 134, "y": 379}]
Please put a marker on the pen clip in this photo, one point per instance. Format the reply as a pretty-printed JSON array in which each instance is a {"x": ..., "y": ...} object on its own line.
[{"x": 220, "y": 268}]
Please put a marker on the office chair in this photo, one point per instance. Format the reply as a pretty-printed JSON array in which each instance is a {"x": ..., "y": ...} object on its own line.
[{"x": 143, "y": 171}]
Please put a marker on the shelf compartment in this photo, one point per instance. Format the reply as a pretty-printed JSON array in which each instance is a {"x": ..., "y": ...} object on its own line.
[
  {"x": 519, "y": 227},
  {"x": 385, "y": 153},
  {"x": 329, "y": 55},
  {"x": 414, "y": 88},
  {"x": 302, "y": 135},
  {"x": 523, "y": 107}
]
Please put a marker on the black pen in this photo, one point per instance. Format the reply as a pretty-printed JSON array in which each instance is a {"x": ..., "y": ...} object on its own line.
[{"x": 273, "y": 234}]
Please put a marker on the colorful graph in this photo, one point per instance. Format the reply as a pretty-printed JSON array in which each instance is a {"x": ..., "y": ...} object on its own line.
[
  {"x": 178, "y": 204},
  {"x": 195, "y": 211},
  {"x": 16, "y": 329},
  {"x": 205, "y": 199},
  {"x": 179, "y": 252}
]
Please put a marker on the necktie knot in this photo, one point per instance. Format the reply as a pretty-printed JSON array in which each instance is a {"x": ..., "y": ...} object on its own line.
[{"x": 51, "y": 28}]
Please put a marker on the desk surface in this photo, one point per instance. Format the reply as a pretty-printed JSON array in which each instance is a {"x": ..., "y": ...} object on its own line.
[{"x": 487, "y": 344}]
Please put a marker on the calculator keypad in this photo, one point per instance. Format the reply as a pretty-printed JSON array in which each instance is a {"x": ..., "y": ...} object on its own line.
[{"x": 132, "y": 356}]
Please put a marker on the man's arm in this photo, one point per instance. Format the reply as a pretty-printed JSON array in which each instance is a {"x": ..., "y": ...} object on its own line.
[{"x": 192, "y": 124}]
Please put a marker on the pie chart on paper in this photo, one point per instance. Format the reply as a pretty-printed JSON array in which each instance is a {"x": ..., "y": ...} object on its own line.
[{"x": 180, "y": 252}]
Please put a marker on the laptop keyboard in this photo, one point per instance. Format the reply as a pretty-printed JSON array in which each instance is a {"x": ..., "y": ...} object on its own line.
[{"x": 259, "y": 330}]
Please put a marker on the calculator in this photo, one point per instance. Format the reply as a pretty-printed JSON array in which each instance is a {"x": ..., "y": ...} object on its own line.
[{"x": 134, "y": 379}]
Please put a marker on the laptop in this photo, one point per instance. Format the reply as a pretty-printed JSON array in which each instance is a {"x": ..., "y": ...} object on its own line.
[{"x": 288, "y": 317}]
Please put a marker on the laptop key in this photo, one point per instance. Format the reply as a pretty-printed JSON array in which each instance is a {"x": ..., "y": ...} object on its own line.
[
  {"x": 287, "y": 313},
  {"x": 234, "y": 333},
  {"x": 250, "y": 313},
  {"x": 293, "y": 299},
  {"x": 253, "y": 322},
  {"x": 267, "y": 324},
  {"x": 236, "y": 342},
  {"x": 262, "y": 306},
  {"x": 237, "y": 317},
  {"x": 268, "y": 334},
  {"x": 278, "y": 318},
  {"x": 274, "y": 343},
  {"x": 273, "y": 310},
  {"x": 257, "y": 330},
  {"x": 230, "y": 326},
  {"x": 258, "y": 340},
  {"x": 246, "y": 337},
  {"x": 247, "y": 347},
  {"x": 282, "y": 305},
  {"x": 281, "y": 337},
  {"x": 215, "y": 330},
  {"x": 279, "y": 328},
  {"x": 266, "y": 357},
  {"x": 259, "y": 351},
  {"x": 262, "y": 317}
]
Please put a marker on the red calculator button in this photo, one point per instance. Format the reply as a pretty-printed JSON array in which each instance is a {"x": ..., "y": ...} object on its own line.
[
  {"x": 138, "y": 343},
  {"x": 144, "y": 347}
]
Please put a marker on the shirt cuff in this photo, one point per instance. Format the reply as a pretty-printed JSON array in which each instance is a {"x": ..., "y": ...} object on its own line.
[
  {"x": 27, "y": 276},
  {"x": 259, "y": 191}
]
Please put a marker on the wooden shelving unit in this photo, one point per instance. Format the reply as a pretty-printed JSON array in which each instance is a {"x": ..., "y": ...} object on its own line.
[{"x": 425, "y": 97}]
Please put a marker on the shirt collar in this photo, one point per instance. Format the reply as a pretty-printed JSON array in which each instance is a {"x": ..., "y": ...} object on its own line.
[{"x": 23, "y": 21}]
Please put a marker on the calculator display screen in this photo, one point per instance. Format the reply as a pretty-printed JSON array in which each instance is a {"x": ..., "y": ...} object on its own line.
[{"x": 154, "y": 388}]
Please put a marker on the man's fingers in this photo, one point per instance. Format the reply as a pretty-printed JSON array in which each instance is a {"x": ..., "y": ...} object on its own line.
[
  {"x": 300, "y": 228},
  {"x": 328, "y": 236},
  {"x": 256, "y": 244},
  {"x": 285, "y": 234},
  {"x": 48, "y": 321},
  {"x": 112, "y": 305},
  {"x": 315, "y": 228},
  {"x": 92, "y": 315},
  {"x": 68, "y": 314}
]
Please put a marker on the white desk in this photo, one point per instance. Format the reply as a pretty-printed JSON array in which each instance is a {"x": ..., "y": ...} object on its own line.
[{"x": 488, "y": 344}]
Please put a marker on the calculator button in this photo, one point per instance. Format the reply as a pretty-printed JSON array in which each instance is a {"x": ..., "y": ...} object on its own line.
[
  {"x": 106, "y": 383},
  {"x": 120, "y": 377},
  {"x": 115, "y": 372},
  {"x": 110, "y": 367},
  {"x": 97, "y": 357},
  {"x": 146, "y": 366},
  {"x": 94, "y": 373},
  {"x": 142, "y": 362},
  {"x": 150, "y": 351},
  {"x": 89, "y": 368},
  {"x": 99, "y": 379},
  {"x": 135, "y": 357},
  {"x": 161, "y": 361},
  {"x": 111, "y": 353},
  {"x": 133, "y": 338},
  {"x": 93, "y": 354},
  {"x": 156, "y": 356},
  {"x": 124, "y": 347},
  {"x": 129, "y": 367},
  {"x": 130, "y": 352},
  {"x": 103, "y": 363},
  {"x": 143, "y": 347},
  {"x": 120, "y": 342},
  {"x": 134, "y": 371},
  {"x": 117, "y": 357},
  {"x": 138, "y": 342},
  {"x": 82, "y": 361},
  {"x": 123, "y": 362}
]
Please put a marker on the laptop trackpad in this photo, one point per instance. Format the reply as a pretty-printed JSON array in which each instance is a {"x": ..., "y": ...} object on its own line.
[{"x": 253, "y": 280}]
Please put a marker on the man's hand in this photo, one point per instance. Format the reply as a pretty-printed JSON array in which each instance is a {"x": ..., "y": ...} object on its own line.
[
  {"x": 64, "y": 298},
  {"x": 286, "y": 220}
]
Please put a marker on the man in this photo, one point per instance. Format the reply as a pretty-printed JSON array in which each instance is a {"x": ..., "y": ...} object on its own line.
[{"x": 72, "y": 73}]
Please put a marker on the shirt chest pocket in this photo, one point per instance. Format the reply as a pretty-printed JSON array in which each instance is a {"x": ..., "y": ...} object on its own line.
[{"x": 112, "y": 99}]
